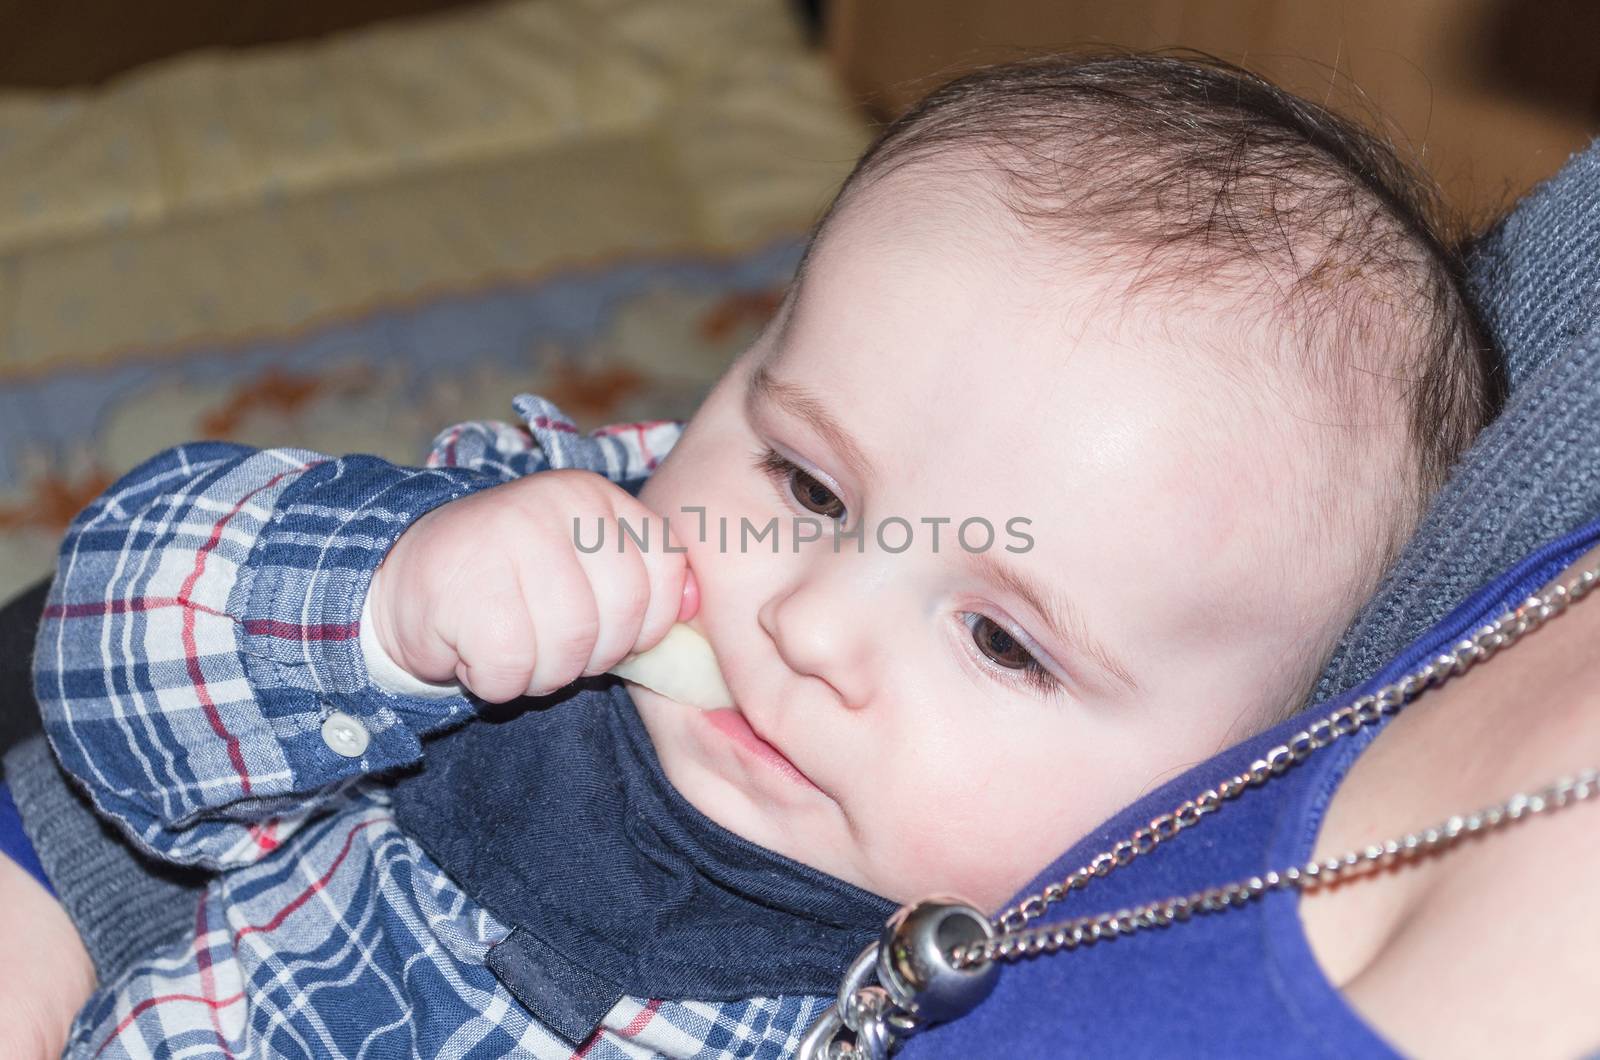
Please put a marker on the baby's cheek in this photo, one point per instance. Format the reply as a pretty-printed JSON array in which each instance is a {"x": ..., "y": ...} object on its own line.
[
  {"x": 984, "y": 874},
  {"x": 967, "y": 842}
]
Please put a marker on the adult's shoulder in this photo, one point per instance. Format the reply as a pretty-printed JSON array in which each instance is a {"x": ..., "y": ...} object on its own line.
[{"x": 1489, "y": 948}]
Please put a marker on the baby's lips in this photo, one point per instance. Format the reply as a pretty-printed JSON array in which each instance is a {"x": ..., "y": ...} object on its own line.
[{"x": 691, "y": 597}]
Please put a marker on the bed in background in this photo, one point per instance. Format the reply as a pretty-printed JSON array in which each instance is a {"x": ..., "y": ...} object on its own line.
[{"x": 349, "y": 244}]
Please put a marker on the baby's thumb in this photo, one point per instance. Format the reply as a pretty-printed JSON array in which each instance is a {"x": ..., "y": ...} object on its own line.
[{"x": 690, "y": 604}]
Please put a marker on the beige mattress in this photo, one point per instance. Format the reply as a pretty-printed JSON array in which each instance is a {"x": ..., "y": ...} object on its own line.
[{"x": 350, "y": 244}]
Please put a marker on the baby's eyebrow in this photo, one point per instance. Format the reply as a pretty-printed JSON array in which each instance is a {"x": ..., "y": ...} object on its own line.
[
  {"x": 1065, "y": 621},
  {"x": 801, "y": 403}
]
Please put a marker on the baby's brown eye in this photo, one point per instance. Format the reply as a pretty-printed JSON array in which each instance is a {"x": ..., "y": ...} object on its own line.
[
  {"x": 999, "y": 645},
  {"x": 814, "y": 496},
  {"x": 1007, "y": 652},
  {"x": 786, "y": 474}
]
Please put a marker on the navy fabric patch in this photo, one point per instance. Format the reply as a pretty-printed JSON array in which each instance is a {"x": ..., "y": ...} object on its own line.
[
  {"x": 562, "y": 824},
  {"x": 561, "y": 994}
]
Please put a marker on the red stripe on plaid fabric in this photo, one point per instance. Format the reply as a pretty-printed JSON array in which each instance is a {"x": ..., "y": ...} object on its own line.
[
  {"x": 632, "y": 1030},
  {"x": 123, "y": 607},
  {"x": 637, "y": 425},
  {"x": 304, "y": 896},
  {"x": 265, "y": 835},
  {"x": 202, "y": 961},
  {"x": 149, "y": 1003},
  {"x": 191, "y": 650},
  {"x": 546, "y": 423},
  {"x": 449, "y": 448},
  {"x": 271, "y": 627},
  {"x": 644, "y": 447},
  {"x": 203, "y": 953},
  {"x": 266, "y": 627},
  {"x": 639, "y": 429},
  {"x": 642, "y": 1020}
]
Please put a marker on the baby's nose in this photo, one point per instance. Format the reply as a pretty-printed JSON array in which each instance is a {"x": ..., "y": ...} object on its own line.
[{"x": 822, "y": 627}]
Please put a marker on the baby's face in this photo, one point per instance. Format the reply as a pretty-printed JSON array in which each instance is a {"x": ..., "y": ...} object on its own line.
[{"x": 944, "y": 720}]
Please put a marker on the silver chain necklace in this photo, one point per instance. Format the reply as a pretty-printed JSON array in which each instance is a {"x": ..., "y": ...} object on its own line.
[{"x": 939, "y": 958}]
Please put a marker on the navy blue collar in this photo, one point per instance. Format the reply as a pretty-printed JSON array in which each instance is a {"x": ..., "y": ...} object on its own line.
[{"x": 562, "y": 824}]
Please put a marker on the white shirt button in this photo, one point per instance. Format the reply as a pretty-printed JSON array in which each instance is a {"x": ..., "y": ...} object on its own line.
[{"x": 344, "y": 735}]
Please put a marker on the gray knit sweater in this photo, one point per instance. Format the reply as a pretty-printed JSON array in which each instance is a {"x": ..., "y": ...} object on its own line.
[{"x": 1534, "y": 474}]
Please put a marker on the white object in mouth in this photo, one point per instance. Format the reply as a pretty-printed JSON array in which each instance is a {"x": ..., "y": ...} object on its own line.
[{"x": 682, "y": 667}]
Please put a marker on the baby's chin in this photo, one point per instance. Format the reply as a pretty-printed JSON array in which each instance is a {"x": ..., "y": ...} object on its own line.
[
  {"x": 672, "y": 727},
  {"x": 705, "y": 751},
  {"x": 734, "y": 784},
  {"x": 658, "y": 713},
  {"x": 756, "y": 802}
]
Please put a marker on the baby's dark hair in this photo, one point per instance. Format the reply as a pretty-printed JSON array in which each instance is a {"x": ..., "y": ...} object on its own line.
[{"x": 1189, "y": 169}]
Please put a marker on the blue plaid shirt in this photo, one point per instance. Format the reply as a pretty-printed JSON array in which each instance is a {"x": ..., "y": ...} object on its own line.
[{"x": 203, "y": 625}]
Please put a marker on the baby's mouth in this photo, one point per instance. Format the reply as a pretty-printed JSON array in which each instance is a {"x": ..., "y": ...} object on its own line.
[
  {"x": 732, "y": 724},
  {"x": 683, "y": 668}
]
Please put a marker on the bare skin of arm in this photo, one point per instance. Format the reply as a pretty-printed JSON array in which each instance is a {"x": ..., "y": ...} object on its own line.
[
  {"x": 1488, "y": 950},
  {"x": 46, "y": 975}
]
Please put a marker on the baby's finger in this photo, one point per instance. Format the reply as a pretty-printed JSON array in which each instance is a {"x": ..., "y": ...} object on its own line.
[
  {"x": 566, "y": 621},
  {"x": 494, "y": 646},
  {"x": 621, "y": 590},
  {"x": 667, "y": 572}
]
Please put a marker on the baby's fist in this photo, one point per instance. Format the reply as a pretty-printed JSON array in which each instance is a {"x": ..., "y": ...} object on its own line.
[{"x": 492, "y": 590}]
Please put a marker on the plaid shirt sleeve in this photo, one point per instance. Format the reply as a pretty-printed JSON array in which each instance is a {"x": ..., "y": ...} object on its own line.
[{"x": 204, "y": 625}]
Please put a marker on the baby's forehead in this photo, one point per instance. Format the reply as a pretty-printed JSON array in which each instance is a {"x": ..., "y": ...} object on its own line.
[
  {"x": 964, "y": 306},
  {"x": 1011, "y": 390},
  {"x": 954, "y": 230},
  {"x": 999, "y": 402},
  {"x": 960, "y": 211},
  {"x": 929, "y": 211},
  {"x": 926, "y": 292},
  {"x": 963, "y": 300}
]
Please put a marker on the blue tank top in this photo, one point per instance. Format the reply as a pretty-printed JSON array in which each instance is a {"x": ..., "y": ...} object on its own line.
[{"x": 1242, "y": 982}]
